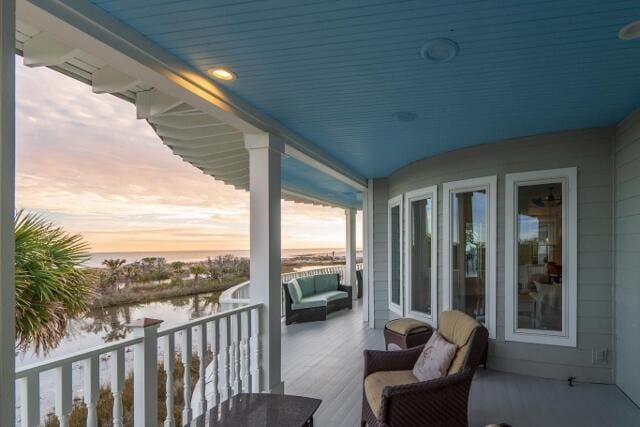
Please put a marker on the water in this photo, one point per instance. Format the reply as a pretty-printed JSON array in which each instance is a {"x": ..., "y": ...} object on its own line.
[{"x": 107, "y": 325}]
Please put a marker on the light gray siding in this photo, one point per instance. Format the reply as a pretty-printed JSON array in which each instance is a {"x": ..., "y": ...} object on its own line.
[
  {"x": 591, "y": 151},
  {"x": 380, "y": 272},
  {"x": 627, "y": 258}
]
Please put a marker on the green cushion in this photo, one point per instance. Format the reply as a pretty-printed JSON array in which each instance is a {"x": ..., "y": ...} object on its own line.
[
  {"x": 306, "y": 286},
  {"x": 326, "y": 282},
  {"x": 332, "y": 295},
  {"x": 309, "y": 302},
  {"x": 294, "y": 291}
]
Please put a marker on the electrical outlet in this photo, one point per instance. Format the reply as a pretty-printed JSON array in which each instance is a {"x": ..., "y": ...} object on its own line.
[{"x": 599, "y": 356}]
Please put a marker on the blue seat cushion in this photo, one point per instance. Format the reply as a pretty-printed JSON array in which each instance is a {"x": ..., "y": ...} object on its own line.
[
  {"x": 326, "y": 282},
  {"x": 306, "y": 286},
  {"x": 294, "y": 291},
  {"x": 332, "y": 295},
  {"x": 309, "y": 302}
]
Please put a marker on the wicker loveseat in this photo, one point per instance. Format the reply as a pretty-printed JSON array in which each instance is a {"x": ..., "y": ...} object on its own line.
[
  {"x": 311, "y": 298},
  {"x": 394, "y": 397}
]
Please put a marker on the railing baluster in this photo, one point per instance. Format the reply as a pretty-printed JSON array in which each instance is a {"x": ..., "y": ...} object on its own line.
[
  {"x": 117, "y": 384},
  {"x": 201, "y": 339},
  {"x": 255, "y": 351},
  {"x": 215, "y": 349},
  {"x": 169, "y": 358},
  {"x": 235, "y": 353},
  {"x": 29, "y": 387},
  {"x": 244, "y": 350},
  {"x": 224, "y": 359},
  {"x": 63, "y": 394},
  {"x": 91, "y": 370},
  {"x": 186, "y": 361}
]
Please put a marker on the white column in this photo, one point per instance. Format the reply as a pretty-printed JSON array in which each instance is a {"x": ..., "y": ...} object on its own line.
[
  {"x": 350, "y": 253},
  {"x": 145, "y": 372},
  {"x": 264, "y": 183},
  {"x": 7, "y": 197}
]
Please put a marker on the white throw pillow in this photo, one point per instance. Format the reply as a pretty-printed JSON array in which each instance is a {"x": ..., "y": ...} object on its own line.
[{"x": 435, "y": 358}]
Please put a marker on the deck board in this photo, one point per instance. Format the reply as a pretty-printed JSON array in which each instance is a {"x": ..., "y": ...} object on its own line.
[{"x": 324, "y": 360}]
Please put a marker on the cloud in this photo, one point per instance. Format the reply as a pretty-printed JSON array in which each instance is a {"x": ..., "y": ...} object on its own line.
[{"x": 85, "y": 162}]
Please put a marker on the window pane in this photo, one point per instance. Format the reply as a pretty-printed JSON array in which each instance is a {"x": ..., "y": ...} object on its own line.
[
  {"x": 539, "y": 257},
  {"x": 421, "y": 221},
  {"x": 469, "y": 252},
  {"x": 395, "y": 255}
]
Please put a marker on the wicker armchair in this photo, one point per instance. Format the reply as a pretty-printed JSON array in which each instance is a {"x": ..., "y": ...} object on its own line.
[{"x": 392, "y": 396}]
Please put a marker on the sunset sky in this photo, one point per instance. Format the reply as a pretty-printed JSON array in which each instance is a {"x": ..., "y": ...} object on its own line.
[{"x": 86, "y": 163}]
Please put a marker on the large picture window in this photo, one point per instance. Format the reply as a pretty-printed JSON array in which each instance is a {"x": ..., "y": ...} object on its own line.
[
  {"x": 540, "y": 257},
  {"x": 421, "y": 242},
  {"x": 469, "y": 247},
  {"x": 396, "y": 294}
]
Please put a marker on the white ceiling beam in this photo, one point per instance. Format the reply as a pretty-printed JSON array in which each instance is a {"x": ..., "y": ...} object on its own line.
[
  {"x": 109, "y": 80},
  {"x": 93, "y": 30},
  {"x": 203, "y": 151},
  {"x": 194, "y": 133},
  {"x": 185, "y": 121},
  {"x": 205, "y": 142},
  {"x": 239, "y": 161},
  {"x": 43, "y": 50},
  {"x": 152, "y": 102},
  {"x": 241, "y": 152}
]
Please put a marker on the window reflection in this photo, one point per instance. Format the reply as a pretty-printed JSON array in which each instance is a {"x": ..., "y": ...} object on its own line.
[
  {"x": 539, "y": 257},
  {"x": 469, "y": 252},
  {"x": 421, "y": 222}
]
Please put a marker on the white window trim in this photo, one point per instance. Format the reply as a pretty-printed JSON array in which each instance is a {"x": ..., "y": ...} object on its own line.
[
  {"x": 410, "y": 197},
  {"x": 395, "y": 308},
  {"x": 489, "y": 184},
  {"x": 568, "y": 336}
]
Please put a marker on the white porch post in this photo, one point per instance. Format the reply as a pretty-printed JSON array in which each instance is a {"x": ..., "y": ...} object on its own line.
[
  {"x": 350, "y": 253},
  {"x": 7, "y": 199},
  {"x": 264, "y": 183}
]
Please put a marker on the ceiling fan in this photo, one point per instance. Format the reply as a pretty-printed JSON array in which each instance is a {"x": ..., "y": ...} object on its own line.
[{"x": 550, "y": 200}]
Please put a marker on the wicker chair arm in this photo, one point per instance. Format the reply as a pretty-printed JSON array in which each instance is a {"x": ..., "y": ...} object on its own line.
[
  {"x": 347, "y": 289},
  {"x": 443, "y": 401},
  {"x": 378, "y": 360}
]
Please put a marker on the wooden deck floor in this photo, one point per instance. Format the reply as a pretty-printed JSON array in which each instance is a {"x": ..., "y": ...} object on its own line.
[{"x": 324, "y": 360}]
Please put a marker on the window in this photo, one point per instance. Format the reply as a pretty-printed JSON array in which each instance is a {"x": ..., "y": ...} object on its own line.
[
  {"x": 421, "y": 242},
  {"x": 469, "y": 248},
  {"x": 395, "y": 256},
  {"x": 541, "y": 257}
]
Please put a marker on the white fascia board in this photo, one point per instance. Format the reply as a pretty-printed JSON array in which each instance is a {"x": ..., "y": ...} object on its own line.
[{"x": 93, "y": 30}]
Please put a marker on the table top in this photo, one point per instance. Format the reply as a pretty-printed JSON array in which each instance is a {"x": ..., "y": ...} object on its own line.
[{"x": 263, "y": 409}]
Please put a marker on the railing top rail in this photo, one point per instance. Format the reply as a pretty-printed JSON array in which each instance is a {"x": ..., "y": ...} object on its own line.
[
  {"x": 206, "y": 319},
  {"x": 80, "y": 355},
  {"x": 46, "y": 365}
]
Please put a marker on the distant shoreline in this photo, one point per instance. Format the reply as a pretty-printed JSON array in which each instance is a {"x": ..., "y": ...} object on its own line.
[{"x": 96, "y": 258}]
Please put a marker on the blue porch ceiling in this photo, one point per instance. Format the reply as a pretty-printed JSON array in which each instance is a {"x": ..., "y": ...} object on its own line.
[{"x": 336, "y": 71}]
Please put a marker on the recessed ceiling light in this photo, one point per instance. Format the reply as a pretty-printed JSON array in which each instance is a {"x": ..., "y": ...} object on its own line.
[
  {"x": 222, "y": 74},
  {"x": 404, "y": 116},
  {"x": 439, "y": 50},
  {"x": 630, "y": 31}
]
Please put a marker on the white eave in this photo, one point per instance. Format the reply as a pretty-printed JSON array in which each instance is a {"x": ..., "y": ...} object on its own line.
[{"x": 198, "y": 120}]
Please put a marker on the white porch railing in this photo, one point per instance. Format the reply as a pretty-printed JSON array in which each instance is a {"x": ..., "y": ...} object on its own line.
[
  {"x": 232, "y": 337},
  {"x": 238, "y": 295}
]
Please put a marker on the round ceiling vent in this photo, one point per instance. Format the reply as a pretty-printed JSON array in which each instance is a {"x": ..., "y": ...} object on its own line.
[
  {"x": 404, "y": 116},
  {"x": 630, "y": 31},
  {"x": 439, "y": 50}
]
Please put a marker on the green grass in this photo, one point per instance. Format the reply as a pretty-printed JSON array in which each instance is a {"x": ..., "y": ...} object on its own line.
[{"x": 142, "y": 293}]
